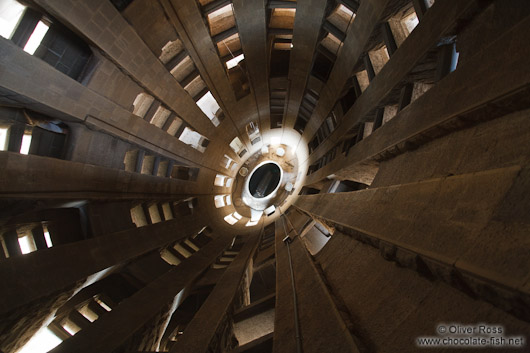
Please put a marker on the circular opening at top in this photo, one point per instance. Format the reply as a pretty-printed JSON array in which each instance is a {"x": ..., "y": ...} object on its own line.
[{"x": 264, "y": 180}]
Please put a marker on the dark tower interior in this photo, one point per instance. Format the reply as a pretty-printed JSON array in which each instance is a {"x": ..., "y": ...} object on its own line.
[{"x": 264, "y": 176}]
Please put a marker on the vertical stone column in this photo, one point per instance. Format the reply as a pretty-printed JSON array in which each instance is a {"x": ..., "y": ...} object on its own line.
[{"x": 321, "y": 326}]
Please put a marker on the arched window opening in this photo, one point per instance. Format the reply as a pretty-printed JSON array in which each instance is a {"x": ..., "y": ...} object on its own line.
[
  {"x": 222, "y": 200},
  {"x": 232, "y": 218},
  {"x": 194, "y": 139},
  {"x": 141, "y": 104},
  {"x": 228, "y": 163},
  {"x": 238, "y": 147},
  {"x": 26, "y": 241},
  {"x": 316, "y": 235},
  {"x": 403, "y": 23},
  {"x": 154, "y": 213},
  {"x": 209, "y": 107},
  {"x": 234, "y": 61},
  {"x": 252, "y": 131},
  {"x": 138, "y": 216},
  {"x": 219, "y": 180}
]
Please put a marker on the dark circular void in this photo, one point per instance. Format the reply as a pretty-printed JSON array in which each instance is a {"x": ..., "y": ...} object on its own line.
[{"x": 264, "y": 180}]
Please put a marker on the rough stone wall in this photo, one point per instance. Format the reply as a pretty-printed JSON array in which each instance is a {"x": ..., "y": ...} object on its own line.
[
  {"x": 491, "y": 23},
  {"x": 17, "y": 327},
  {"x": 109, "y": 217},
  {"x": 498, "y": 143},
  {"x": 146, "y": 338},
  {"x": 390, "y": 306},
  {"x": 392, "y": 295},
  {"x": 109, "y": 81},
  {"x": 92, "y": 147},
  {"x": 150, "y": 22},
  {"x": 224, "y": 339}
]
